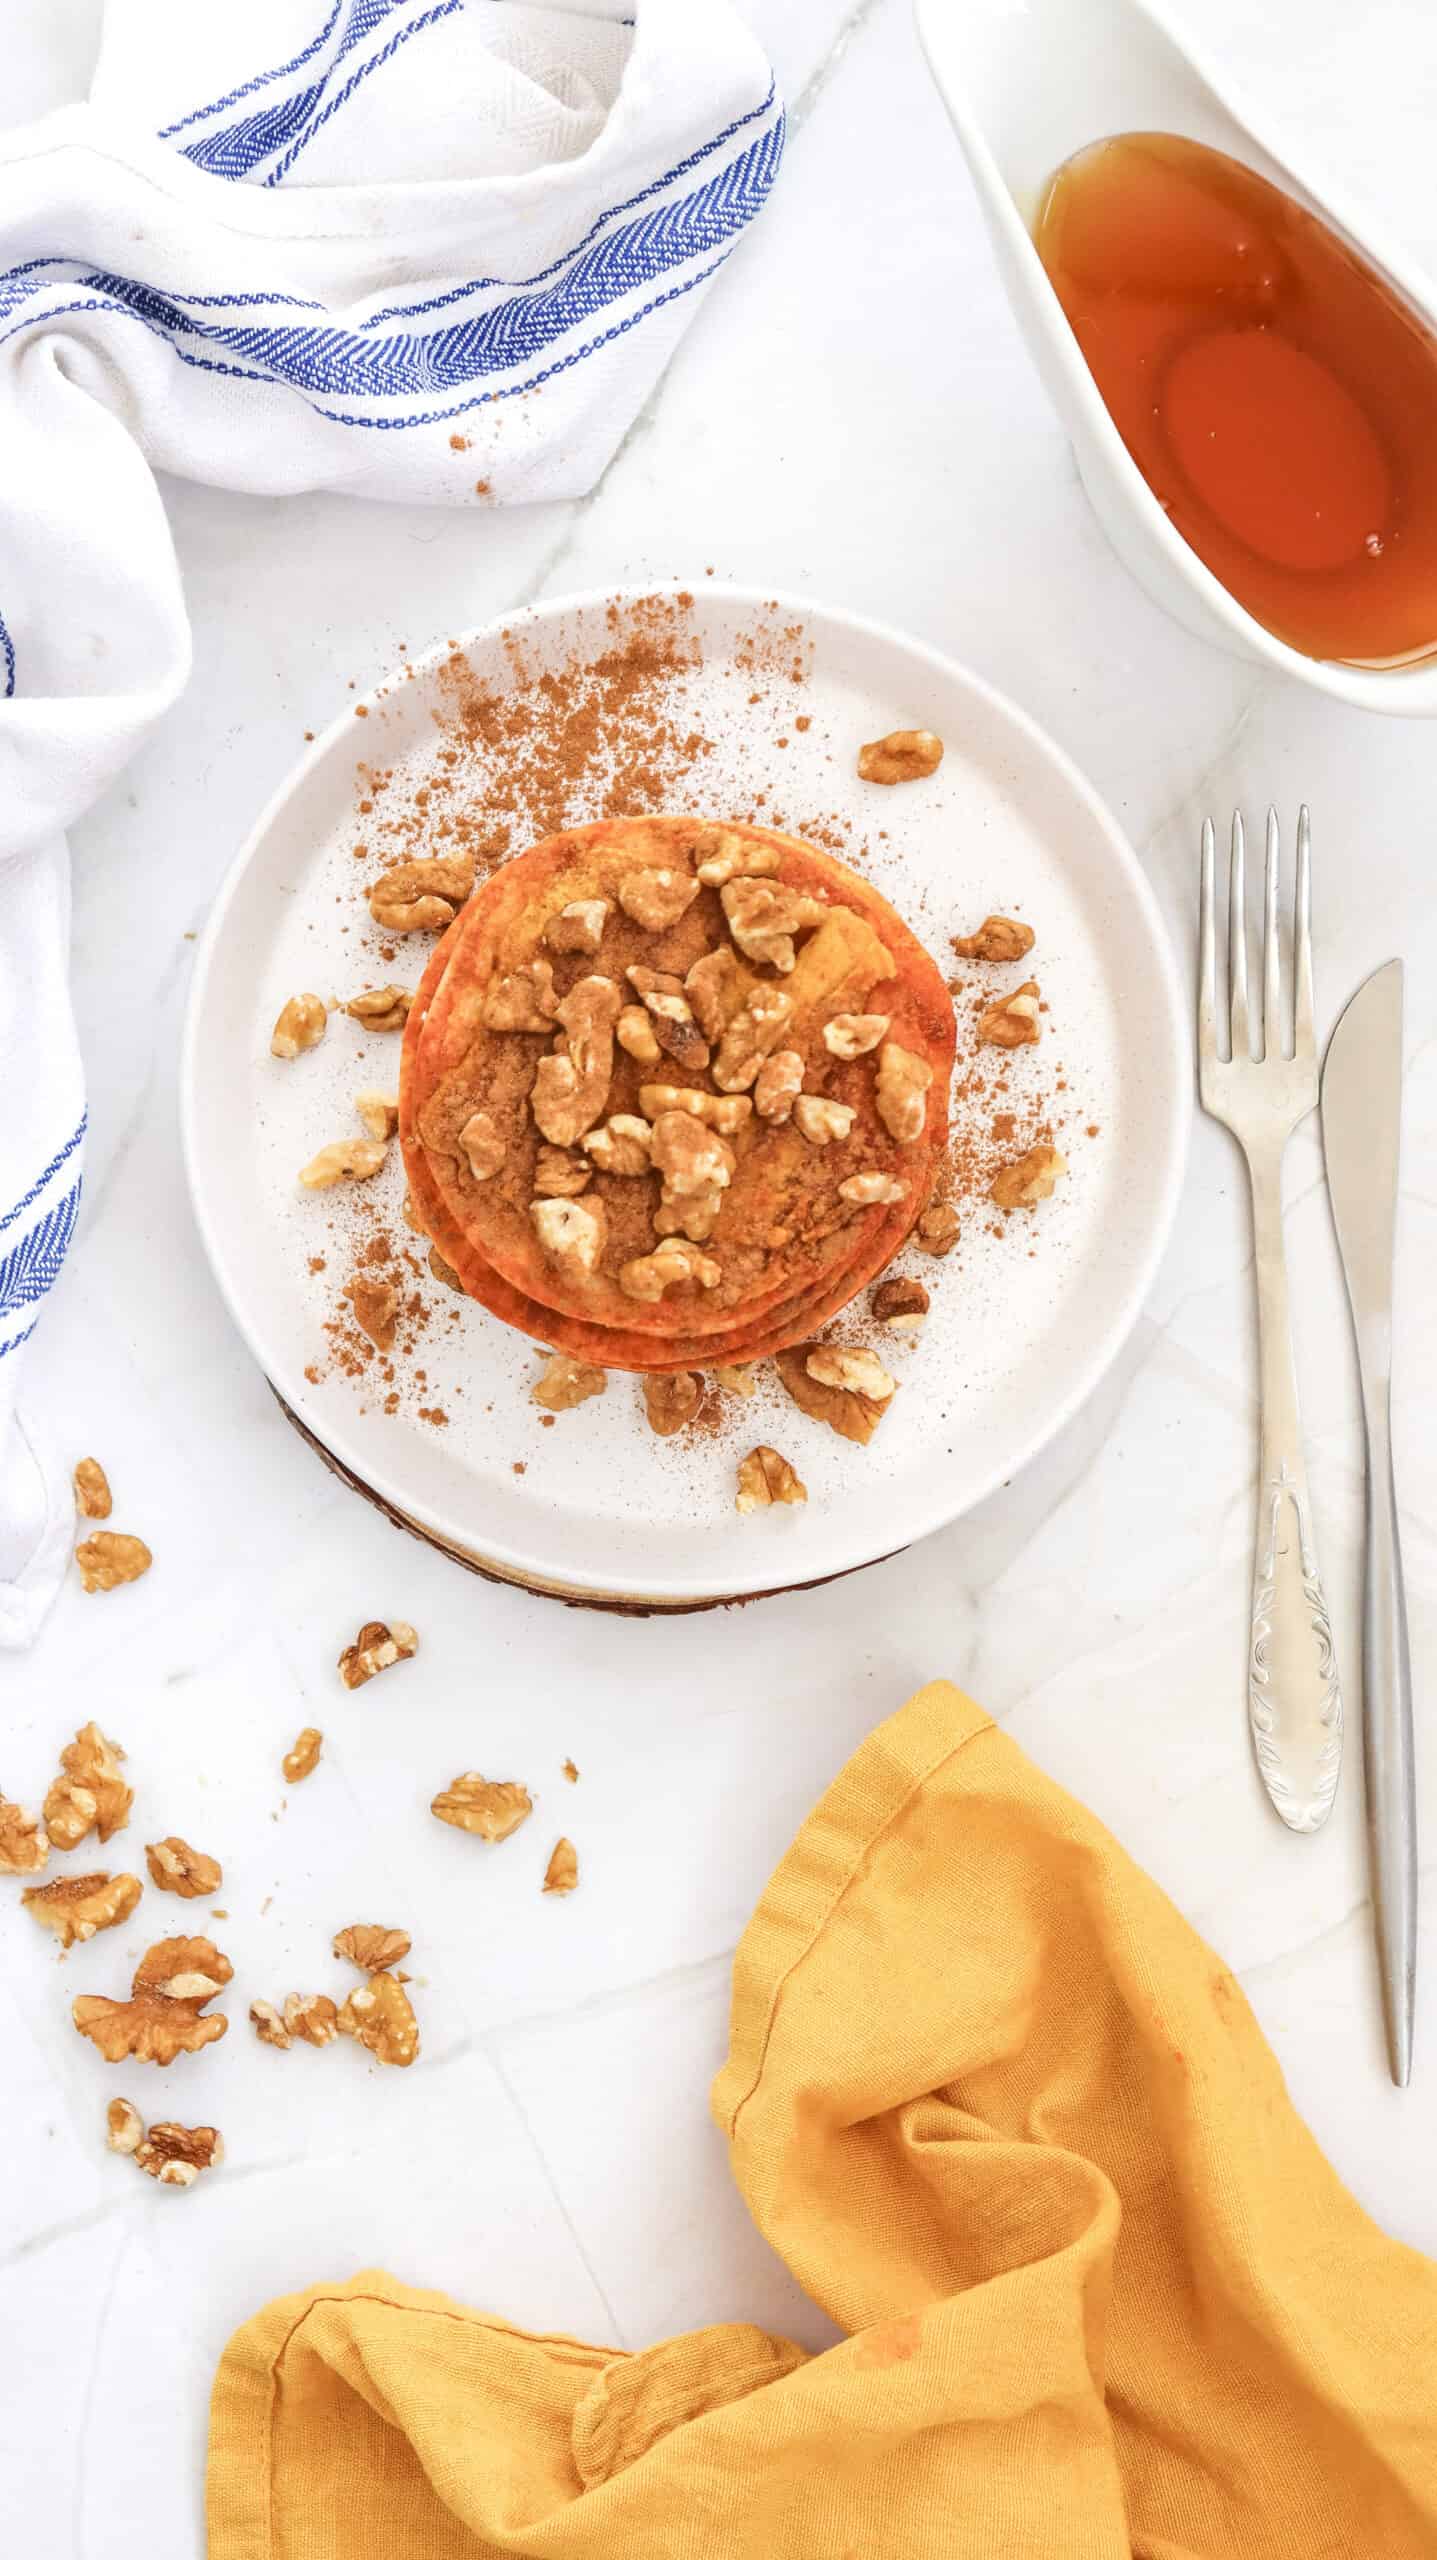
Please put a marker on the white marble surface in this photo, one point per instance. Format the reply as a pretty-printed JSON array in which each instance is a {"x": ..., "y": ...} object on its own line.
[{"x": 851, "y": 415}]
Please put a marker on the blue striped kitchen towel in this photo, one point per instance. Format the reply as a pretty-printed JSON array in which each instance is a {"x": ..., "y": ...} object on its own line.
[{"x": 300, "y": 244}]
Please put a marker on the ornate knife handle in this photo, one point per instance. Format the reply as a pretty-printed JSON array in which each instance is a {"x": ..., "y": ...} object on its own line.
[{"x": 1294, "y": 1698}]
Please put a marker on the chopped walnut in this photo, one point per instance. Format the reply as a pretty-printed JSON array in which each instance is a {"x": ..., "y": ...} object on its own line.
[
  {"x": 656, "y": 899},
  {"x": 373, "y": 1949},
  {"x": 740, "y": 1381},
  {"x": 764, "y": 919},
  {"x": 376, "y": 1308},
  {"x": 570, "y": 1772},
  {"x": 579, "y": 927},
  {"x": 91, "y": 1795},
  {"x": 571, "y": 1085},
  {"x": 175, "y": 2154},
  {"x": 870, "y": 1190},
  {"x": 937, "y": 1229},
  {"x": 522, "y": 1001},
  {"x": 444, "y": 1271},
  {"x": 161, "y": 2018},
  {"x": 721, "y": 856},
  {"x": 779, "y": 1084},
  {"x": 378, "y": 1112},
  {"x": 268, "y": 2025},
  {"x": 997, "y": 938},
  {"x": 92, "y": 1490},
  {"x": 347, "y": 1160},
  {"x": 374, "y": 1649},
  {"x": 621, "y": 1145},
  {"x": 311, "y": 2016},
  {"x": 24, "y": 1845},
  {"x": 381, "y": 2018},
  {"x": 1013, "y": 1022},
  {"x": 902, "y": 1092},
  {"x": 124, "y": 2127},
  {"x": 852, "y": 1035},
  {"x": 420, "y": 897},
  {"x": 381, "y": 1008},
  {"x": 635, "y": 1033},
  {"x": 492, "y": 1808},
  {"x": 1033, "y": 1178},
  {"x": 177, "y": 1868},
  {"x": 905, "y": 755},
  {"x": 571, "y": 1233},
  {"x": 765, "y": 1478},
  {"x": 671, "y": 1015},
  {"x": 820, "y": 1120},
  {"x": 690, "y": 1157},
  {"x": 484, "y": 1146},
  {"x": 561, "y": 1174},
  {"x": 857, "y": 1372},
  {"x": 900, "y": 1305},
  {"x": 715, "y": 989},
  {"x": 301, "y": 1025},
  {"x": 110, "y": 1558},
  {"x": 694, "y": 1217},
  {"x": 852, "y": 1415},
  {"x": 563, "y": 1383},
  {"x": 302, "y": 1758},
  {"x": 77, "y": 1908},
  {"x": 725, "y": 1112},
  {"x": 676, "y": 1259},
  {"x": 752, "y": 1036},
  {"x": 562, "y": 1872},
  {"x": 672, "y": 1397}
]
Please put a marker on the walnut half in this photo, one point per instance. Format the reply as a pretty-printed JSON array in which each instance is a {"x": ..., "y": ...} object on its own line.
[
  {"x": 845, "y": 1408},
  {"x": 1013, "y": 1022},
  {"x": 177, "y": 1868},
  {"x": 374, "y": 1649},
  {"x": 1032, "y": 1178},
  {"x": 764, "y": 1478},
  {"x": 111, "y": 1558},
  {"x": 301, "y": 1025},
  {"x": 420, "y": 897},
  {"x": 380, "y": 1008},
  {"x": 997, "y": 938},
  {"x": 372, "y": 1948},
  {"x": 172, "y": 1985},
  {"x": 905, "y": 755},
  {"x": 491, "y": 1808},
  {"x": 77, "y": 1908},
  {"x": 92, "y": 1490},
  {"x": 672, "y": 1397},
  {"x": 24, "y": 1845},
  {"x": 564, "y": 1383},
  {"x": 379, "y": 2015},
  {"x": 90, "y": 1795}
]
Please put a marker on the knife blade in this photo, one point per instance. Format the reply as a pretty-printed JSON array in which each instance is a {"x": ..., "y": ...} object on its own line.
[{"x": 1361, "y": 1128}]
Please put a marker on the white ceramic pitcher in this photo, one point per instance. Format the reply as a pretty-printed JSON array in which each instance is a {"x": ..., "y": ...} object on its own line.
[{"x": 1029, "y": 82}]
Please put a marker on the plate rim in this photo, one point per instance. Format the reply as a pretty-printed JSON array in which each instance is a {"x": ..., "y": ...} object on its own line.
[{"x": 1106, "y": 1342}]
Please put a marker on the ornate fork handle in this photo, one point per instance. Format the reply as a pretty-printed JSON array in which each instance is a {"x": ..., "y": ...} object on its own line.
[{"x": 1294, "y": 1697}]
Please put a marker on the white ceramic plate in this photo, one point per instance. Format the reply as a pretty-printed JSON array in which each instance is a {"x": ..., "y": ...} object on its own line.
[{"x": 1025, "y": 1320}]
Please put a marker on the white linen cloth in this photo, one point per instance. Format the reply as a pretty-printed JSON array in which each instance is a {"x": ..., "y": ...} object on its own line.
[{"x": 298, "y": 244}]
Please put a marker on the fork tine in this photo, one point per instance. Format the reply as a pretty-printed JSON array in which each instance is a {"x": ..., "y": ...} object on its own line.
[
  {"x": 1237, "y": 940},
  {"x": 1302, "y": 1033},
  {"x": 1207, "y": 949},
  {"x": 1274, "y": 1044}
]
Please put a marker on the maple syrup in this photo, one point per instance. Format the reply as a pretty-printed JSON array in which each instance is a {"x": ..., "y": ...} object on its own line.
[{"x": 1278, "y": 398}]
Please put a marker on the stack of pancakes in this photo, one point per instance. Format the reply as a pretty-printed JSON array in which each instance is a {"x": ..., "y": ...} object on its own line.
[{"x": 672, "y": 1093}]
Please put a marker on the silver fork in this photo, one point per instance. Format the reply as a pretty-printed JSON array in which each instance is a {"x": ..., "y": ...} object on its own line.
[{"x": 1294, "y": 1700}]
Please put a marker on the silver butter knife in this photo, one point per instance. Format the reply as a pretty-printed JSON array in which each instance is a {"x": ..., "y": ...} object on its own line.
[{"x": 1361, "y": 1120}]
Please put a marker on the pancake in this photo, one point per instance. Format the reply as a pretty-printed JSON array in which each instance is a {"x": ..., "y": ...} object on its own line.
[{"x": 513, "y": 1081}]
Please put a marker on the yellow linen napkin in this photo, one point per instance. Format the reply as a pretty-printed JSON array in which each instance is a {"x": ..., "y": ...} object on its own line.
[{"x": 1015, "y": 2127}]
